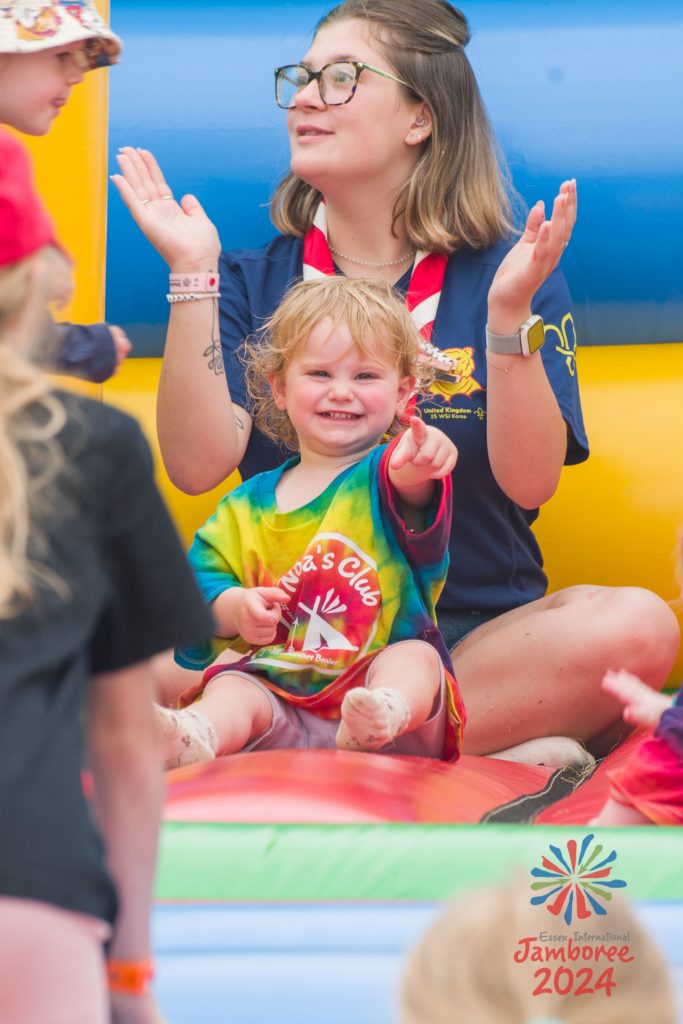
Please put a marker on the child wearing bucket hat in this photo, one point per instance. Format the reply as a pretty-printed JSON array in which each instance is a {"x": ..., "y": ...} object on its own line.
[
  {"x": 27, "y": 27},
  {"x": 45, "y": 49},
  {"x": 86, "y": 551}
]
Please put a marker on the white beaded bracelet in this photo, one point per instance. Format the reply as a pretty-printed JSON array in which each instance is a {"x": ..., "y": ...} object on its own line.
[{"x": 191, "y": 296}]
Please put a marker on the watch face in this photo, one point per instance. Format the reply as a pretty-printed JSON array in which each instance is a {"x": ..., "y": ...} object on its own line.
[{"x": 535, "y": 336}]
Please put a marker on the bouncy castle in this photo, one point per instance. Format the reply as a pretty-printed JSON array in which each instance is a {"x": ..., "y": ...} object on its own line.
[{"x": 322, "y": 867}]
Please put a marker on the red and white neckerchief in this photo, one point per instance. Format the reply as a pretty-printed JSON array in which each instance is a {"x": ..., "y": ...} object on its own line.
[{"x": 424, "y": 289}]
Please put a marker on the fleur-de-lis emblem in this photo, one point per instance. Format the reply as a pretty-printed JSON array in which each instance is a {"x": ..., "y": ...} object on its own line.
[{"x": 565, "y": 341}]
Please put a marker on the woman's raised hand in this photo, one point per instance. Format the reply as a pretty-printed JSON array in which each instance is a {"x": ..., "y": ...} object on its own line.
[
  {"x": 180, "y": 232},
  {"x": 531, "y": 261}
]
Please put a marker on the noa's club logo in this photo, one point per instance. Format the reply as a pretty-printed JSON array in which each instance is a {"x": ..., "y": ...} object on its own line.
[{"x": 575, "y": 882}]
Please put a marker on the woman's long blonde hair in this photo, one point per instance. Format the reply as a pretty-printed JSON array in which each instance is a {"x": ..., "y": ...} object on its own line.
[
  {"x": 30, "y": 417},
  {"x": 459, "y": 191},
  {"x": 463, "y": 970}
]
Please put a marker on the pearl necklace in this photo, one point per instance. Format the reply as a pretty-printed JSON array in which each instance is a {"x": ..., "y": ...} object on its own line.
[
  {"x": 370, "y": 263},
  {"x": 434, "y": 355}
]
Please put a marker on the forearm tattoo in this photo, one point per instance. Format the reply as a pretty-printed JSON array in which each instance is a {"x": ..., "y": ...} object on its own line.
[{"x": 214, "y": 353}]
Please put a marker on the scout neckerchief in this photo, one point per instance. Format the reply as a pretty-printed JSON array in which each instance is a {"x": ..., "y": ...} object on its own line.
[{"x": 424, "y": 289}]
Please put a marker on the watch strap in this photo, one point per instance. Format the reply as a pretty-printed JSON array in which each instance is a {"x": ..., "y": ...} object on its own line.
[
  {"x": 526, "y": 342},
  {"x": 504, "y": 344}
]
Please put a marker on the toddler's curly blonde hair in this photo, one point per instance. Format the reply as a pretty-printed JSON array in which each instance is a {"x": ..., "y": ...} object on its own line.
[{"x": 378, "y": 322}]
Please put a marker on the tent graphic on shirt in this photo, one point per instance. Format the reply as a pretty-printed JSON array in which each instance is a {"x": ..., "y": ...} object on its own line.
[
  {"x": 319, "y": 632},
  {"x": 333, "y": 612}
]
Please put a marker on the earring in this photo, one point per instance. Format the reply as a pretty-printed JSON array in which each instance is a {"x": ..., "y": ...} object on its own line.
[{"x": 420, "y": 120}]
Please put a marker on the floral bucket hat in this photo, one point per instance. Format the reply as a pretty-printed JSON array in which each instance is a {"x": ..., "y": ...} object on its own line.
[{"x": 27, "y": 27}]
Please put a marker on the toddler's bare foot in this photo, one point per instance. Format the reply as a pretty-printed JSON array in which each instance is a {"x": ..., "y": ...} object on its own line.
[
  {"x": 642, "y": 704},
  {"x": 188, "y": 737},
  {"x": 551, "y": 751},
  {"x": 371, "y": 718}
]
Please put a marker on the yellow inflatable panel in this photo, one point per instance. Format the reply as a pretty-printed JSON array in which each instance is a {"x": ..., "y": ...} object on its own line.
[
  {"x": 615, "y": 520},
  {"x": 134, "y": 390},
  {"x": 71, "y": 173}
]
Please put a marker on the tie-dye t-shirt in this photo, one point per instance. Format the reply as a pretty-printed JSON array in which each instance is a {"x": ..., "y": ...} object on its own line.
[{"x": 358, "y": 578}]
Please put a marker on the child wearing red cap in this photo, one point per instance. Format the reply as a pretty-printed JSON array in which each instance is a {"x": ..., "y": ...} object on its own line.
[
  {"x": 45, "y": 49},
  {"x": 93, "y": 582}
]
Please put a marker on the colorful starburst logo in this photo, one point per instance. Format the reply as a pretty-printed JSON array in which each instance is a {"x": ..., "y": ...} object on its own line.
[{"x": 577, "y": 881}]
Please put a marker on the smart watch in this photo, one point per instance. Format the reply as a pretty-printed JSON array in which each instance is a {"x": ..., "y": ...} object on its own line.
[{"x": 529, "y": 339}]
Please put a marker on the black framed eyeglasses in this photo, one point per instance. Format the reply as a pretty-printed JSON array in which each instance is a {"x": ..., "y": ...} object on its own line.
[{"x": 337, "y": 82}]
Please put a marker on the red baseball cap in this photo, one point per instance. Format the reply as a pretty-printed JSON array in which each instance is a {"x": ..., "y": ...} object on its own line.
[{"x": 25, "y": 225}]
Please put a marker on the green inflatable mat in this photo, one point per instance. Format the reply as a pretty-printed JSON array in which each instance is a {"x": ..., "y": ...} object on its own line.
[{"x": 219, "y": 862}]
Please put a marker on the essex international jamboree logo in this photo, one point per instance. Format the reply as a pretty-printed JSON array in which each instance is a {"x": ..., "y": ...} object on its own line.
[{"x": 577, "y": 882}]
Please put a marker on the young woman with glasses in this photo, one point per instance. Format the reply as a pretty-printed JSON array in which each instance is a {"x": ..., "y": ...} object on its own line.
[{"x": 394, "y": 173}]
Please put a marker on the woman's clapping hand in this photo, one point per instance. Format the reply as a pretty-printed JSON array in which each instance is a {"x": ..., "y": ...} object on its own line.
[
  {"x": 531, "y": 261},
  {"x": 180, "y": 231}
]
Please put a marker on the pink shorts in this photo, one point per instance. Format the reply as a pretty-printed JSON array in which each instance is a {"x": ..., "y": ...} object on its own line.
[
  {"x": 294, "y": 728},
  {"x": 52, "y": 967}
]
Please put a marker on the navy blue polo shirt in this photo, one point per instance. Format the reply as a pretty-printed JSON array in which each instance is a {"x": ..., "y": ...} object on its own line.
[{"x": 495, "y": 559}]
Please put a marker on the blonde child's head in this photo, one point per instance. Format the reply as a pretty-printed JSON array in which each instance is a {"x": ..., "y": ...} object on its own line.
[
  {"x": 463, "y": 970},
  {"x": 378, "y": 323},
  {"x": 45, "y": 49},
  {"x": 33, "y": 272}
]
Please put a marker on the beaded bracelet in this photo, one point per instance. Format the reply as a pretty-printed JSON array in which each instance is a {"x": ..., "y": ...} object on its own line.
[
  {"x": 191, "y": 296},
  {"x": 190, "y": 282}
]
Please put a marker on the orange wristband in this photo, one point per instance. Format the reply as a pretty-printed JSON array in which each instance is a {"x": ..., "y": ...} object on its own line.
[{"x": 129, "y": 977}]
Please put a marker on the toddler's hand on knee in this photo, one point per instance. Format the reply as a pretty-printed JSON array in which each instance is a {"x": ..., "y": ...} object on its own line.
[{"x": 259, "y": 613}]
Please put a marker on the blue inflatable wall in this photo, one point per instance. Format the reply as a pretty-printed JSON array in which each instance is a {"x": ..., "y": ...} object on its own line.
[{"x": 574, "y": 88}]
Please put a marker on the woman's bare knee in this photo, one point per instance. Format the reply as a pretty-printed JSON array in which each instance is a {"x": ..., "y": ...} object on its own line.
[
  {"x": 638, "y": 631},
  {"x": 616, "y": 627}
]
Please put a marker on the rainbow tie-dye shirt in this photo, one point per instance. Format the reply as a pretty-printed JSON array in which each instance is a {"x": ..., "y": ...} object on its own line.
[{"x": 358, "y": 578}]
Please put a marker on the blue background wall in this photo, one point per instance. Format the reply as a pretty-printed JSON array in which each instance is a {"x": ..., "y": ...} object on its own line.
[{"x": 586, "y": 89}]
